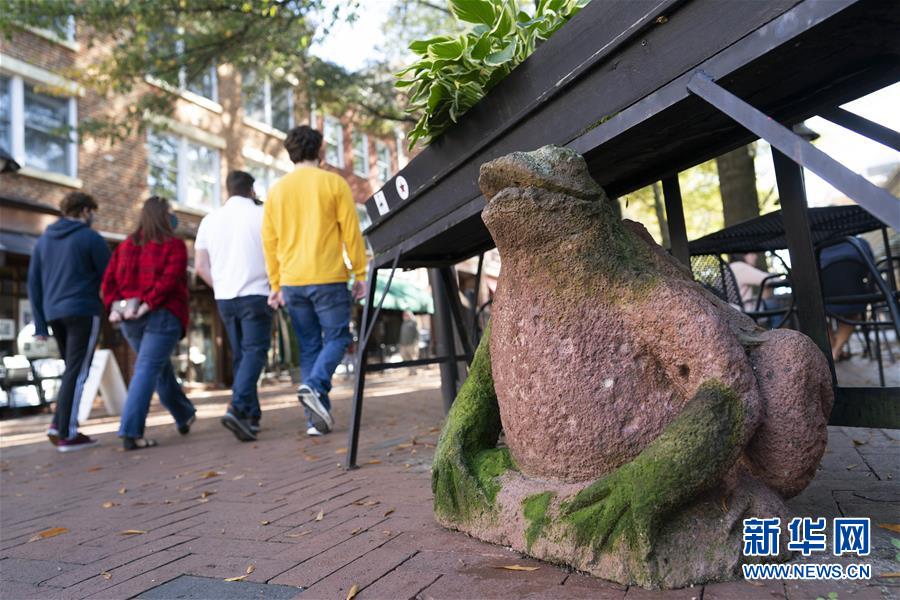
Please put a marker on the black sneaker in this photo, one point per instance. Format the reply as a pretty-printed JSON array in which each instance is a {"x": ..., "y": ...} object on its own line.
[
  {"x": 79, "y": 442},
  {"x": 318, "y": 414},
  {"x": 186, "y": 427},
  {"x": 254, "y": 424},
  {"x": 238, "y": 426}
]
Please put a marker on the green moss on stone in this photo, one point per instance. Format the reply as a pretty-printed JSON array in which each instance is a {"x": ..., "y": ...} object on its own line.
[
  {"x": 534, "y": 509},
  {"x": 690, "y": 456},
  {"x": 467, "y": 462}
]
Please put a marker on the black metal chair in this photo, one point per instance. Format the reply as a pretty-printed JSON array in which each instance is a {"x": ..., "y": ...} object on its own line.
[
  {"x": 713, "y": 273},
  {"x": 856, "y": 282}
]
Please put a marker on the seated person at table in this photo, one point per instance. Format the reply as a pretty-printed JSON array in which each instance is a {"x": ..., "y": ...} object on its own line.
[
  {"x": 843, "y": 272},
  {"x": 749, "y": 278}
]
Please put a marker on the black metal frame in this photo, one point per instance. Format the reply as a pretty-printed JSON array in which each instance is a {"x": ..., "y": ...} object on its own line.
[
  {"x": 450, "y": 326},
  {"x": 588, "y": 88}
]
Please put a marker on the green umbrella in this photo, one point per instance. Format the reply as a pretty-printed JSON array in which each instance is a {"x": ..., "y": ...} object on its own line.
[{"x": 403, "y": 295}]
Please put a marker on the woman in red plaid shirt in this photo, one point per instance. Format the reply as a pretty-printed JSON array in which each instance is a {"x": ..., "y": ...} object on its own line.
[{"x": 146, "y": 287}]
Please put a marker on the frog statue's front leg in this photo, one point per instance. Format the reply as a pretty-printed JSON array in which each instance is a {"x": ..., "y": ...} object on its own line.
[
  {"x": 690, "y": 457},
  {"x": 467, "y": 461}
]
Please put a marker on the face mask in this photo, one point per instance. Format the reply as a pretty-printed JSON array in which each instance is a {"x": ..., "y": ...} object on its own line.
[{"x": 173, "y": 221}]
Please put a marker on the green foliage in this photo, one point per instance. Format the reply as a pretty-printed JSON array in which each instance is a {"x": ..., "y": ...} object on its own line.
[
  {"x": 454, "y": 72},
  {"x": 176, "y": 41}
]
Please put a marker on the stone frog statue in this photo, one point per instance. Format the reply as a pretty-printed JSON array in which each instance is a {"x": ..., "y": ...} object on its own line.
[{"x": 644, "y": 419}]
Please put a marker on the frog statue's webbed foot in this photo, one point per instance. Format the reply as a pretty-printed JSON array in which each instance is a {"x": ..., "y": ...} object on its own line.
[
  {"x": 467, "y": 461},
  {"x": 690, "y": 457}
]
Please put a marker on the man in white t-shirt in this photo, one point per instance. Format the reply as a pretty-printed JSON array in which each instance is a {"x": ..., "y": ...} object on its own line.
[{"x": 229, "y": 257}]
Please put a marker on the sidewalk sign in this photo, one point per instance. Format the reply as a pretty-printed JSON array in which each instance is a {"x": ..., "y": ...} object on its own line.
[{"x": 106, "y": 378}]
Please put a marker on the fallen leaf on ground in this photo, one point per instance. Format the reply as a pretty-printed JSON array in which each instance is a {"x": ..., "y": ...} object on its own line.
[
  {"x": 859, "y": 443},
  {"x": 353, "y": 591},
  {"x": 310, "y": 457},
  {"x": 341, "y": 451},
  {"x": 109, "y": 504},
  {"x": 238, "y": 578},
  {"x": 890, "y": 527},
  {"x": 434, "y": 430},
  {"x": 236, "y": 477},
  {"x": 407, "y": 465},
  {"x": 374, "y": 461},
  {"x": 320, "y": 516},
  {"x": 264, "y": 523},
  {"x": 210, "y": 475},
  {"x": 404, "y": 446},
  {"x": 892, "y": 574},
  {"x": 390, "y": 511},
  {"x": 386, "y": 532},
  {"x": 517, "y": 568},
  {"x": 250, "y": 569},
  {"x": 106, "y": 576},
  {"x": 207, "y": 493},
  {"x": 299, "y": 534},
  {"x": 851, "y": 467},
  {"x": 355, "y": 531},
  {"x": 122, "y": 490},
  {"x": 93, "y": 469},
  {"x": 48, "y": 533},
  {"x": 371, "y": 502},
  {"x": 133, "y": 532}
]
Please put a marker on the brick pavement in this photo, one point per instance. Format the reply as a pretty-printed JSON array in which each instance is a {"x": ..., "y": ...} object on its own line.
[{"x": 211, "y": 508}]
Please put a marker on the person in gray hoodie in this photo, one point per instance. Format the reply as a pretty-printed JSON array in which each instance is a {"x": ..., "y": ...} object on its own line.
[{"x": 64, "y": 278}]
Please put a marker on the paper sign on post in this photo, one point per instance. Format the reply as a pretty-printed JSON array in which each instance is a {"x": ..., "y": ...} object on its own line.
[
  {"x": 106, "y": 378},
  {"x": 381, "y": 203}
]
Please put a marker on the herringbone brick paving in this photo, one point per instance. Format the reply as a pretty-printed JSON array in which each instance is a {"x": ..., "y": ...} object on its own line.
[{"x": 282, "y": 511}]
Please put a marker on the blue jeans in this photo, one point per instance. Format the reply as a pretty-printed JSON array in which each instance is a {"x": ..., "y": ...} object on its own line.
[
  {"x": 320, "y": 315},
  {"x": 248, "y": 321},
  {"x": 153, "y": 337}
]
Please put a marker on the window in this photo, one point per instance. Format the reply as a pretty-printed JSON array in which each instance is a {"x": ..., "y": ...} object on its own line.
[
  {"x": 203, "y": 83},
  {"x": 383, "y": 161},
  {"x": 162, "y": 176},
  {"x": 5, "y": 115},
  {"x": 268, "y": 102},
  {"x": 265, "y": 178},
  {"x": 37, "y": 128},
  {"x": 334, "y": 142},
  {"x": 172, "y": 71},
  {"x": 361, "y": 154},
  {"x": 183, "y": 170},
  {"x": 63, "y": 27}
]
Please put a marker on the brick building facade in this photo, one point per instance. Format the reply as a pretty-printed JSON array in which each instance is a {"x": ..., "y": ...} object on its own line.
[{"x": 226, "y": 120}]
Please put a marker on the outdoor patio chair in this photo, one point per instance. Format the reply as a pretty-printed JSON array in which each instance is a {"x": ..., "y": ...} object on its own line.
[{"x": 854, "y": 286}]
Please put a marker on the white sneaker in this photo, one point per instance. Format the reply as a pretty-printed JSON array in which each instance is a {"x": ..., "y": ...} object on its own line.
[
  {"x": 319, "y": 415},
  {"x": 312, "y": 431}
]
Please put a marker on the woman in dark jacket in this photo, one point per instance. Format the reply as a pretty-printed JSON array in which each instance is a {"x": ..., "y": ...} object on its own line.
[{"x": 148, "y": 271}]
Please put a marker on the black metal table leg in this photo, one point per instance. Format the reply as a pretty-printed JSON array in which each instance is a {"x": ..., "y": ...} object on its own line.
[
  {"x": 360, "y": 373},
  {"x": 675, "y": 219},
  {"x": 804, "y": 268},
  {"x": 445, "y": 343}
]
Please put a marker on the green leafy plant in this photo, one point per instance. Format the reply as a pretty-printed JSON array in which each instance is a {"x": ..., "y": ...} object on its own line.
[{"x": 454, "y": 72}]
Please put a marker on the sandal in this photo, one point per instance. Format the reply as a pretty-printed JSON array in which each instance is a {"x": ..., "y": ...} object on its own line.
[{"x": 137, "y": 443}]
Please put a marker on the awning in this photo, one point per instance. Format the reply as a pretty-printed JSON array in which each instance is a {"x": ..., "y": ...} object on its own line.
[
  {"x": 403, "y": 295},
  {"x": 17, "y": 243},
  {"x": 766, "y": 233}
]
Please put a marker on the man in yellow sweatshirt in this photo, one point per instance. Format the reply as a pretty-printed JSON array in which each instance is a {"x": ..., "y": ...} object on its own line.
[{"x": 309, "y": 222}]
